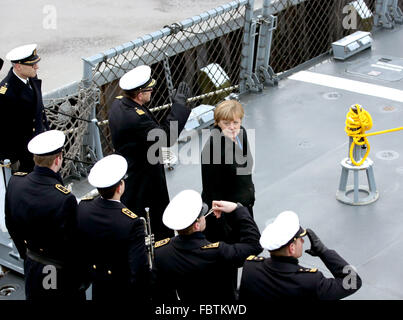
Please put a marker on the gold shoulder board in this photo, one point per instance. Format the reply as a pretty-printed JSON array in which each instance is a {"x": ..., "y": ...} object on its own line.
[
  {"x": 308, "y": 270},
  {"x": 140, "y": 112},
  {"x": 119, "y": 97},
  {"x": 87, "y": 198},
  {"x": 161, "y": 243},
  {"x": 62, "y": 189},
  {"x": 3, "y": 90},
  {"x": 129, "y": 213},
  {"x": 211, "y": 245},
  {"x": 21, "y": 174},
  {"x": 254, "y": 258}
]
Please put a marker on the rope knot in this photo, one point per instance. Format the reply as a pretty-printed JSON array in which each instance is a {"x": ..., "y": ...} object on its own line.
[{"x": 358, "y": 121}]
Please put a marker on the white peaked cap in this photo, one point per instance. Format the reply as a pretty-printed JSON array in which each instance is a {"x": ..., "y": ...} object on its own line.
[
  {"x": 284, "y": 228},
  {"x": 138, "y": 78},
  {"x": 24, "y": 54},
  {"x": 183, "y": 210},
  {"x": 108, "y": 171},
  {"x": 46, "y": 143}
]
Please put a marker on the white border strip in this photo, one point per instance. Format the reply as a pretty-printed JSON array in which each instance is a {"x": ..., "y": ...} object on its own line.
[{"x": 349, "y": 85}]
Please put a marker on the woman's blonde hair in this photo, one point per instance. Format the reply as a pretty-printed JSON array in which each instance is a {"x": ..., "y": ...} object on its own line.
[{"x": 228, "y": 110}]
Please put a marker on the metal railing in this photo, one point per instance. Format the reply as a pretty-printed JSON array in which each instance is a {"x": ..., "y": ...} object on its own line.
[
  {"x": 232, "y": 48},
  {"x": 204, "y": 51}
]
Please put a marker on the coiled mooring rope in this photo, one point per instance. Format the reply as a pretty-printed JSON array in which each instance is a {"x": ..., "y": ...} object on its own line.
[{"x": 358, "y": 121}]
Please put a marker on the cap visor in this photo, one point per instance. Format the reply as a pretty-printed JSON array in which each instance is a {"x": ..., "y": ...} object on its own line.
[
  {"x": 152, "y": 83},
  {"x": 301, "y": 232},
  {"x": 32, "y": 62}
]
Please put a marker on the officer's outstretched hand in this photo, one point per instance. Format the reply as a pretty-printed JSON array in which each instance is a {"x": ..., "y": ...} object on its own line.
[
  {"x": 317, "y": 246},
  {"x": 181, "y": 94},
  {"x": 222, "y": 206}
]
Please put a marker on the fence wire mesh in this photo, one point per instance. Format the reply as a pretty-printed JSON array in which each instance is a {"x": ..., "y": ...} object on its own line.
[
  {"x": 306, "y": 29},
  {"x": 206, "y": 55},
  {"x": 206, "y": 52}
]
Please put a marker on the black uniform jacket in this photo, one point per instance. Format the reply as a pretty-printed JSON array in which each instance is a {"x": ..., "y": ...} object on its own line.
[
  {"x": 22, "y": 118},
  {"x": 226, "y": 175},
  {"x": 41, "y": 218},
  {"x": 283, "y": 278},
  {"x": 146, "y": 186},
  {"x": 41, "y": 214},
  {"x": 198, "y": 269},
  {"x": 113, "y": 250}
]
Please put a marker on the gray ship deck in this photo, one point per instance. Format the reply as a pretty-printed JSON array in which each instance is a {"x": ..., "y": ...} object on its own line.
[{"x": 300, "y": 142}]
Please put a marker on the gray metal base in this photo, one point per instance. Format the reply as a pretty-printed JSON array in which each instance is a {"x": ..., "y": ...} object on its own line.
[
  {"x": 12, "y": 287},
  {"x": 343, "y": 192}
]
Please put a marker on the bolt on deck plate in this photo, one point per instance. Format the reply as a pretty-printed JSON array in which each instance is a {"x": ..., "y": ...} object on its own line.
[
  {"x": 331, "y": 95},
  {"x": 387, "y": 155}
]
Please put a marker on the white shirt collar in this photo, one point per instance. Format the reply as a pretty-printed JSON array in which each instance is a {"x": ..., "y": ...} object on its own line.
[
  {"x": 23, "y": 80},
  {"x": 110, "y": 199}
]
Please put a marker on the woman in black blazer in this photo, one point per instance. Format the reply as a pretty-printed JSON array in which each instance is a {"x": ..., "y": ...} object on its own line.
[{"x": 227, "y": 168}]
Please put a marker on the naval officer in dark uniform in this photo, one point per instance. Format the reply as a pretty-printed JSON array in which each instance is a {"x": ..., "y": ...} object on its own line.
[
  {"x": 112, "y": 237},
  {"x": 281, "y": 277},
  {"x": 194, "y": 267},
  {"x": 22, "y": 112},
  {"x": 130, "y": 122},
  {"x": 40, "y": 215}
]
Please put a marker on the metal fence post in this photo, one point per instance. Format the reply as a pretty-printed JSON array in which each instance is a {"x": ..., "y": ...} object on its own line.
[
  {"x": 396, "y": 12},
  {"x": 387, "y": 12},
  {"x": 87, "y": 72},
  {"x": 94, "y": 136},
  {"x": 268, "y": 23},
  {"x": 5, "y": 174},
  {"x": 7, "y": 171},
  {"x": 246, "y": 81}
]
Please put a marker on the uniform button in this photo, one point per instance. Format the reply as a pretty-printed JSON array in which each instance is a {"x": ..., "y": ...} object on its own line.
[
  {"x": 94, "y": 266},
  {"x": 40, "y": 249},
  {"x": 25, "y": 241},
  {"x": 109, "y": 272},
  {"x": 33, "y": 130}
]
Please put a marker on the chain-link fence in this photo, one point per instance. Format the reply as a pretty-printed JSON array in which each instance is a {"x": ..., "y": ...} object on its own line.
[
  {"x": 204, "y": 51},
  {"x": 306, "y": 29},
  {"x": 213, "y": 52}
]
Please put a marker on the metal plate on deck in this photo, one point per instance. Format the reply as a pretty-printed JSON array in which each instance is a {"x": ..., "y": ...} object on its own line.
[
  {"x": 385, "y": 68},
  {"x": 387, "y": 155}
]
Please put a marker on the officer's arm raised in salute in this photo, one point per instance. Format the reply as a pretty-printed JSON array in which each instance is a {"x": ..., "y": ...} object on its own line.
[
  {"x": 189, "y": 256},
  {"x": 248, "y": 241}
]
